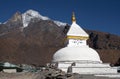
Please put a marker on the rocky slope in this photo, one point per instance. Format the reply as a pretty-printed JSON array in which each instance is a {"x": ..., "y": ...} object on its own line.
[{"x": 35, "y": 40}]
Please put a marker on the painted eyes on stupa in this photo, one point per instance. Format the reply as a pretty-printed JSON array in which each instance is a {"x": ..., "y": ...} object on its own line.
[{"x": 77, "y": 41}]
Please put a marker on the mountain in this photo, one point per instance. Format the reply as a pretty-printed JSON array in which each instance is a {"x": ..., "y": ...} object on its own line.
[
  {"x": 32, "y": 15},
  {"x": 31, "y": 38}
]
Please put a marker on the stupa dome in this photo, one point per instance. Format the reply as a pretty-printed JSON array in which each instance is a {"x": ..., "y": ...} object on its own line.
[{"x": 76, "y": 54}]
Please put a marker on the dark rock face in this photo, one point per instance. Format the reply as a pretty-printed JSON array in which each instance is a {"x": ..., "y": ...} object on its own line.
[
  {"x": 100, "y": 40},
  {"x": 15, "y": 21},
  {"x": 37, "y": 43},
  {"x": 12, "y": 24}
]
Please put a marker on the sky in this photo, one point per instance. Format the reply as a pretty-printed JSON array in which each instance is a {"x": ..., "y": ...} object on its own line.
[{"x": 99, "y": 15}]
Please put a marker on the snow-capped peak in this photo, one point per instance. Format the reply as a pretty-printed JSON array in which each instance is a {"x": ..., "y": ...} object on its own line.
[{"x": 30, "y": 14}]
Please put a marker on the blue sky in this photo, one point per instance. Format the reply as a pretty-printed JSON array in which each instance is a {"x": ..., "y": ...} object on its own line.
[{"x": 100, "y": 15}]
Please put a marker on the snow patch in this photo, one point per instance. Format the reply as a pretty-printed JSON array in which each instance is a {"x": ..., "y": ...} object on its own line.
[
  {"x": 5, "y": 22},
  {"x": 60, "y": 23}
]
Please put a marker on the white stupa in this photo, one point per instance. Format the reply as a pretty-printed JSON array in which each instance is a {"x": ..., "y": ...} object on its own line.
[{"x": 77, "y": 56}]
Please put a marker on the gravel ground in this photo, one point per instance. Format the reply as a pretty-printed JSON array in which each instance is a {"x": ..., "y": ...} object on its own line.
[{"x": 48, "y": 74}]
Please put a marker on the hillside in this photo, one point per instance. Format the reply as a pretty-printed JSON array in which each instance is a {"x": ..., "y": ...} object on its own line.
[
  {"x": 37, "y": 42},
  {"x": 107, "y": 45}
]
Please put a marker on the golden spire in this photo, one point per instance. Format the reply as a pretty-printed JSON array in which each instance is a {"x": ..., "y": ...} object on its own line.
[{"x": 73, "y": 17}]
